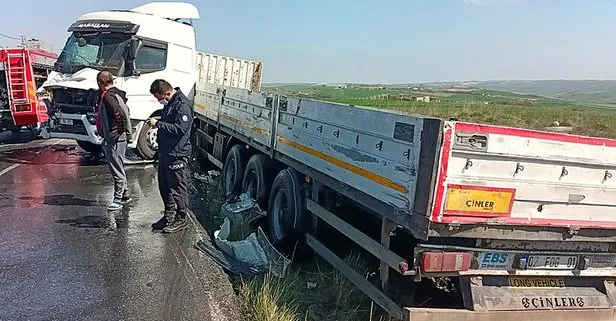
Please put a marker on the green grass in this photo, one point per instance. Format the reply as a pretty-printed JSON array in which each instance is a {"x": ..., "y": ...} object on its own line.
[
  {"x": 480, "y": 106},
  {"x": 333, "y": 298},
  {"x": 271, "y": 299}
]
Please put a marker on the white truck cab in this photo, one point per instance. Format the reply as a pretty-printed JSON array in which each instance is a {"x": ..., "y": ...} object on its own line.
[{"x": 137, "y": 46}]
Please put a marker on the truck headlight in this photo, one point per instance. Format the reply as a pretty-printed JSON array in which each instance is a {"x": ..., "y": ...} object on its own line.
[{"x": 91, "y": 119}]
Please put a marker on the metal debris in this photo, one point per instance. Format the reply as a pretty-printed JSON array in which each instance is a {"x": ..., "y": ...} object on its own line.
[
  {"x": 237, "y": 237},
  {"x": 208, "y": 178},
  {"x": 255, "y": 250}
]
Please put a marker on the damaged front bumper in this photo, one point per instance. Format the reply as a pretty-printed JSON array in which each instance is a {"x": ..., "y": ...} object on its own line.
[{"x": 72, "y": 126}]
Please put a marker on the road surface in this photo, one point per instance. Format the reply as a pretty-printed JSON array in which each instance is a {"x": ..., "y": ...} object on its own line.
[{"x": 64, "y": 257}]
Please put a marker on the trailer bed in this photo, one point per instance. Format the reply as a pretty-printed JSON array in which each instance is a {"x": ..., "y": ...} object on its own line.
[{"x": 428, "y": 175}]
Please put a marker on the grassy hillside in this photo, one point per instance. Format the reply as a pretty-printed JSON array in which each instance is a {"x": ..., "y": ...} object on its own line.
[
  {"x": 600, "y": 91},
  {"x": 477, "y": 105}
]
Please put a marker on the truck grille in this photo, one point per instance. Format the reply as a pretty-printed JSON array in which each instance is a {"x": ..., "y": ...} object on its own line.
[
  {"x": 77, "y": 128},
  {"x": 74, "y": 101}
]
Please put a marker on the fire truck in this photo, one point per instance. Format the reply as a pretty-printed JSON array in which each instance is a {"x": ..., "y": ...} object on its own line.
[{"x": 22, "y": 71}]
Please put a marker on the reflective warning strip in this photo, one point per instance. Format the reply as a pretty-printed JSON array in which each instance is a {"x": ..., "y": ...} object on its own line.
[
  {"x": 31, "y": 94},
  {"x": 205, "y": 107},
  {"x": 247, "y": 125},
  {"x": 342, "y": 164}
]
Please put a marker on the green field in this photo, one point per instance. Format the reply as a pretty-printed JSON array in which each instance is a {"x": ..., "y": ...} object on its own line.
[{"x": 478, "y": 105}]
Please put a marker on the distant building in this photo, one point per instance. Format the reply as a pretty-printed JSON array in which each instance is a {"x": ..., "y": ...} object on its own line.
[
  {"x": 427, "y": 99},
  {"x": 39, "y": 44}
]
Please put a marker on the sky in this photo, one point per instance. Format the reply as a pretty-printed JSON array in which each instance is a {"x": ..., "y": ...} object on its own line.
[{"x": 386, "y": 41}]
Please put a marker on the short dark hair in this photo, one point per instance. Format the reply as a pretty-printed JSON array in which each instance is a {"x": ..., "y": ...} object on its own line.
[
  {"x": 160, "y": 86},
  {"x": 104, "y": 77}
]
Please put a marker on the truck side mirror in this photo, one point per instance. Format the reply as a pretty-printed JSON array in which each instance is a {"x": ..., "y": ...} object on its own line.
[{"x": 133, "y": 48}]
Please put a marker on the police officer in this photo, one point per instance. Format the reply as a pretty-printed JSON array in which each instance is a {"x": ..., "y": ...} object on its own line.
[{"x": 174, "y": 149}]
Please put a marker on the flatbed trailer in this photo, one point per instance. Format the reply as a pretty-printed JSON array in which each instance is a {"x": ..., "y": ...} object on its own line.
[{"x": 518, "y": 222}]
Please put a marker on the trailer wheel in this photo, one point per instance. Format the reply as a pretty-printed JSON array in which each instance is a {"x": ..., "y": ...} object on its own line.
[
  {"x": 258, "y": 179},
  {"x": 233, "y": 171},
  {"x": 286, "y": 207},
  {"x": 90, "y": 148}
]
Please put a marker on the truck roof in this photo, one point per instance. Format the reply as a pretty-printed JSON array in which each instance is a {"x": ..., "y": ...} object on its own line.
[
  {"x": 149, "y": 25},
  {"x": 170, "y": 10}
]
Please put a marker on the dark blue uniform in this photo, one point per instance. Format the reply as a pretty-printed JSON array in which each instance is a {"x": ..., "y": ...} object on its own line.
[{"x": 174, "y": 148}]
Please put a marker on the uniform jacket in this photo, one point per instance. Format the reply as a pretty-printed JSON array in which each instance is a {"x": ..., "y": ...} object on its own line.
[{"x": 174, "y": 127}]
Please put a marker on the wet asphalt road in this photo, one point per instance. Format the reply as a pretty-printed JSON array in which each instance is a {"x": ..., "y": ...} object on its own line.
[{"x": 64, "y": 257}]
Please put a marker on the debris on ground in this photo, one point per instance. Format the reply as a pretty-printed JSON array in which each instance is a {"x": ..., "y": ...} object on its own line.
[
  {"x": 208, "y": 178},
  {"x": 242, "y": 209},
  {"x": 255, "y": 250},
  {"x": 227, "y": 262},
  {"x": 239, "y": 241}
]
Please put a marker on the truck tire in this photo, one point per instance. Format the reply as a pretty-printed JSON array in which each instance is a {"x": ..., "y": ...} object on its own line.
[
  {"x": 286, "y": 212},
  {"x": 146, "y": 142},
  {"x": 257, "y": 180},
  {"x": 90, "y": 147},
  {"x": 233, "y": 171}
]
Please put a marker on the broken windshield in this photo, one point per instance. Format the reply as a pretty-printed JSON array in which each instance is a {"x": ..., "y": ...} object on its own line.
[{"x": 103, "y": 51}]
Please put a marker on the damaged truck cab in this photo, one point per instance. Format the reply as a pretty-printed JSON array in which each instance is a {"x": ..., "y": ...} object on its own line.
[{"x": 137, "y": 46}]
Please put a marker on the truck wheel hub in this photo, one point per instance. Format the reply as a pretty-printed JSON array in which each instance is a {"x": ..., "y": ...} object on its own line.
[{"x": 152, "y": 134}]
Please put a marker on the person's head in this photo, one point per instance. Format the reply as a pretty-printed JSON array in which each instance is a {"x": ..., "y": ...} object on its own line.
[
  {"x": 104, "y": 80},
  {"x": 162, "y": 90}
]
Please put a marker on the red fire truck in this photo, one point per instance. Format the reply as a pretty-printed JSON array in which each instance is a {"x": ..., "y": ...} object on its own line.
[{"x": 22, "y": 71}]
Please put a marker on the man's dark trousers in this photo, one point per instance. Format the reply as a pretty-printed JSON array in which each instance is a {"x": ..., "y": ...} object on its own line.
[{"x": 173, "y": 184}]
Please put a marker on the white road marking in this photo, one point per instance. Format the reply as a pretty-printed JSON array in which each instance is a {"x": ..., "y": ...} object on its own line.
[{"x": 8, "y": 169}]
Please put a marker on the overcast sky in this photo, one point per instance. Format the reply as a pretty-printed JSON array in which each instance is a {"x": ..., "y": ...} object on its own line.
[{"x": 395, "y": 41}]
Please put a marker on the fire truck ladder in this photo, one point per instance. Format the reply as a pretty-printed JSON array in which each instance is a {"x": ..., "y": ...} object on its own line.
[{"x": 17, "y": 81}]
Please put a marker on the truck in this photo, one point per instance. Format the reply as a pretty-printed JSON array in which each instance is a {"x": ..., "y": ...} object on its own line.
[
  {"x": 495, "y": 223},
  {"x": 137, "y": 46},
  {"x": 22, "y": 71}
]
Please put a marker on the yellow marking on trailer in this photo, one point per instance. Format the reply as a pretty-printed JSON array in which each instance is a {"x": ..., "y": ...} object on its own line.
[
  {"x": 536, "y": 282},
  {"x": 247, "y": 125},
  {"x": 204, "y": 107},
  {"x": 350, "y": 167}
]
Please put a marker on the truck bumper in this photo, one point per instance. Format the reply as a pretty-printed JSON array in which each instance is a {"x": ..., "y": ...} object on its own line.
[
  {"x": 413, "y": 314},
  {"x": 72, "y": 126},
  {"x": 77, "y": 127}
]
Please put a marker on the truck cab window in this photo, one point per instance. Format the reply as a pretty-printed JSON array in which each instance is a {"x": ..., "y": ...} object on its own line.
[
  {"x": 92, "y": 50},
  {"x": 150, "y": 59}
]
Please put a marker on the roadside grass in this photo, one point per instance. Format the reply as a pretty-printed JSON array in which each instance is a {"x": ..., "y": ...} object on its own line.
[
  {"x": 270, "y": 298},
  {"x": 483, "y": 106},
  {"x": 312, "y": 291},
  {"x": 592, "y": 121}
]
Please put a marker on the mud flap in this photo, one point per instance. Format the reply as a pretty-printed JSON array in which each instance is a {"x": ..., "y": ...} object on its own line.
[{"x": 518, "y": 293}]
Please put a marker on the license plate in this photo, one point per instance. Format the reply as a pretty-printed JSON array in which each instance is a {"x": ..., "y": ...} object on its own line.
[
  {"x": 551, "y": 262},
  {"x": 535, "y": 282},
  {"x": 64, "y": 121},
  {"x": 482, "y": 201}
]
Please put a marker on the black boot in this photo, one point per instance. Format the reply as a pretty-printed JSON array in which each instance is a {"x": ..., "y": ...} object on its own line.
[
  {"x": 178, "y": 224},
  {"x": 163, "y": 221}
]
